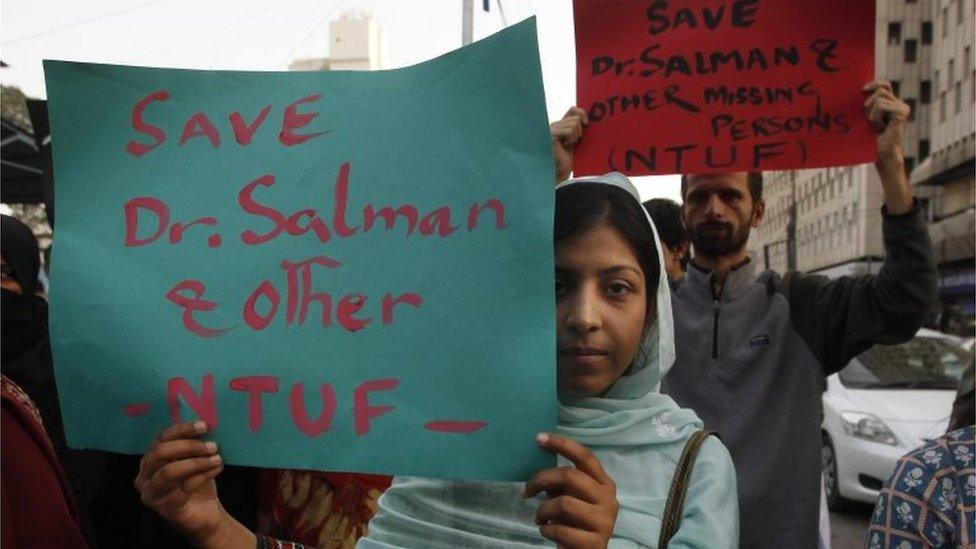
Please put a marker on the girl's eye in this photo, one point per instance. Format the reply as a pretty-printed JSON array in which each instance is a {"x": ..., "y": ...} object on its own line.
[
  {"x": 560, "y": 286},
  {"x": 618, "y": 288}
]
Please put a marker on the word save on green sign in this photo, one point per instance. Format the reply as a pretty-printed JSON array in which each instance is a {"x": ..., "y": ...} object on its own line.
[{"x": 347, "y": 271}]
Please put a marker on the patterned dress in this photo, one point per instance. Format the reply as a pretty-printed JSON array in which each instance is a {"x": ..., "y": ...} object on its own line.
[
  {"x": 316, "y": 509},
  {"x": 929, "y": 500}
]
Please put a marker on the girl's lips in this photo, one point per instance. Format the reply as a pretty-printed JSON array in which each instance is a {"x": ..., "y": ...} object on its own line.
[
  {"x": 584, "y": 360},
  {"x": 583, "y": 356},
  {"x": 583, "y": 351}
]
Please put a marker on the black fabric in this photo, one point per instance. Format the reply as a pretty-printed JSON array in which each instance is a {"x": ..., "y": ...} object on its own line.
[
  {"x": 19, "y": 248},
  {"x": 965, "y": 403},
  {"x": 24, "y": 324},
  {"x": 841, "y": 318},
  {"x": 27, "y": 361}
]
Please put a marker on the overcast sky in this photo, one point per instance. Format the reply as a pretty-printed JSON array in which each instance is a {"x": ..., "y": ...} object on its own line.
[{"x": 267, "y": 35}]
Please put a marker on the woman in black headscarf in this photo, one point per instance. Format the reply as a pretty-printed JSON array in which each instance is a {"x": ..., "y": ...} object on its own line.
[
  {"x": 25, "y": 350},
  {"x": 27, "y": 358}
]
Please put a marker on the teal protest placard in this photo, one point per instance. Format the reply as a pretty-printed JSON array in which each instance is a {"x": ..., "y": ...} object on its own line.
[{"x": 348, "y": 271}]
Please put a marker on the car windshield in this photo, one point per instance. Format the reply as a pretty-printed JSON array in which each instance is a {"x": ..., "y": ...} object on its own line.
[{"x": 920, "y": 363}]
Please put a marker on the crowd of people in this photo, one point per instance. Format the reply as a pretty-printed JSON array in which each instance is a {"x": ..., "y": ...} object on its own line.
[{"x": 689, "y": 405}]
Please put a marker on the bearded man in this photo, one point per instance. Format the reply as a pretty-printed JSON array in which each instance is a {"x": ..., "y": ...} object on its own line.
[{"x": 753, "y": 349}]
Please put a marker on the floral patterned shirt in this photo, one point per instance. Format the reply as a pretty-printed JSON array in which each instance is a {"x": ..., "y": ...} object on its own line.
[{"x": 929, "y": 499}]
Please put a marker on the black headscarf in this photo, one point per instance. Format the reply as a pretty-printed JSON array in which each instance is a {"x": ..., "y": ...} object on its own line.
[
  {"x": 24, "y": 315},
  {"x": 20, "y": 251}
]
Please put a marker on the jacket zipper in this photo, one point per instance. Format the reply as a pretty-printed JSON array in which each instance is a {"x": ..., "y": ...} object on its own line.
[{"x": 716, "y": 307}]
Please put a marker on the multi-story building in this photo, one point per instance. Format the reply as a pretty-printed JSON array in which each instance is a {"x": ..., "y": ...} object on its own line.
[
  {"x": 356, "y": 42},
  {"x": 946, "y": 178},
  {"x": 837, "y": 229}
]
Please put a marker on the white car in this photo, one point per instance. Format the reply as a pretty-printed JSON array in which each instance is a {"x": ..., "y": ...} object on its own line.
[
  {"x": 969, "y": 344},
  {"x": 884, "y": 403}
]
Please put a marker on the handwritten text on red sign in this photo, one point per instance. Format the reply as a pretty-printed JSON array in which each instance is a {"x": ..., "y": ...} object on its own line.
[{"x": 686, "y": 86}]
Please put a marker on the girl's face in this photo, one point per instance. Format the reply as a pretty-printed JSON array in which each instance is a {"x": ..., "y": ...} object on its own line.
[{"x": 601, "y": 307}]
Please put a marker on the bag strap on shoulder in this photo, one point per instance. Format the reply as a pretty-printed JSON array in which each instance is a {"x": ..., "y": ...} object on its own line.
[{"x": 679, "y": 487}]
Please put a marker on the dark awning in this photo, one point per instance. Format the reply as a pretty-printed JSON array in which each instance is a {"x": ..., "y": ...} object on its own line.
[{"x": 21, "y": 167}]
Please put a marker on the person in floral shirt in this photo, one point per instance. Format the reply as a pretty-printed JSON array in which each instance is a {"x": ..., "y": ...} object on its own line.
[{"x": 929, "y": 500}]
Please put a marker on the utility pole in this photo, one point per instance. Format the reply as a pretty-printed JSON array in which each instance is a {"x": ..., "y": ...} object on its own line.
[
  {"x": 467, "y": 22},
  {"x": 467, "y": 18},
  {"x": 501, "y": 12}
]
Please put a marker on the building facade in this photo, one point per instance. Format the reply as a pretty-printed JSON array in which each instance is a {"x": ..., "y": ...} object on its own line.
[
  {"x": 356, "y": 42},
  {"x": 837, "y": 221},
  {"x": 946, "y": 177}
]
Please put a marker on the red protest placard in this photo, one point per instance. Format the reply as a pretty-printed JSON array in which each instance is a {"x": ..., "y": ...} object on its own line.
[{"x": 687, "y": 86}]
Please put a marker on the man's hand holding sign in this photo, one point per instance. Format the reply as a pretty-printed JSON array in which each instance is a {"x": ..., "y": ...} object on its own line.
[{"x": 888, "y": 116}]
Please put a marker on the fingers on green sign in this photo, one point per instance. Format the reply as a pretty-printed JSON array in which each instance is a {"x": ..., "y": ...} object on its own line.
[{"x": 335, "y": 270}]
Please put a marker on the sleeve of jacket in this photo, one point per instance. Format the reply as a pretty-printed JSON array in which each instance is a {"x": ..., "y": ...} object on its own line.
[
  {"x": 711, "y": 514},
  {"x": 841, "y": 318}
]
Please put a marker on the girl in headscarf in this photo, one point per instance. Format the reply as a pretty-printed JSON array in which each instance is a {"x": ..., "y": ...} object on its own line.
[{"x": 618, "y": 438}]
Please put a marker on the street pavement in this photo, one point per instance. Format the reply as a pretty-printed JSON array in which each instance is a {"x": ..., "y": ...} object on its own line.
[{"x": 848, "y": 528}]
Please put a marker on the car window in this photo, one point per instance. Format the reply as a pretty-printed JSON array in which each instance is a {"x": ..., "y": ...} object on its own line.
[{"x": 920, "y": 363}]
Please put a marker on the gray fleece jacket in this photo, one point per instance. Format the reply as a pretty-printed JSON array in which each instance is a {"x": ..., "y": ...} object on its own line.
[{"x": 751, "y": 362}]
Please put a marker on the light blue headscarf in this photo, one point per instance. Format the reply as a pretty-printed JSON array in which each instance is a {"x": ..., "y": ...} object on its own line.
[{"x": 636, "y": 432}]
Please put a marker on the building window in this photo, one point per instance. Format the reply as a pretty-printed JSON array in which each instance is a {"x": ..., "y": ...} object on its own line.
[
  {"x": 942, "y": 107},
  {"x": 911, "y": 51},
  {"x": 926, "y": 32},
  {"x": 951, "y": 73},
  {"x": 967, "y": 59},
  {"x": 938, "y": 85},
  {"x": 972, "y": 86},
  {"x": 960, "y": 12},
  {"x": 958, "y": 96},
  {"x": 945, "y": 22},
  {"x": 896, "y": 87},
  {"x": 923, "y": 149},
  {"x": 911, "y": 105},
  {"x": 925, "y": 92},
  {"x": 894, "y": 34}
]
